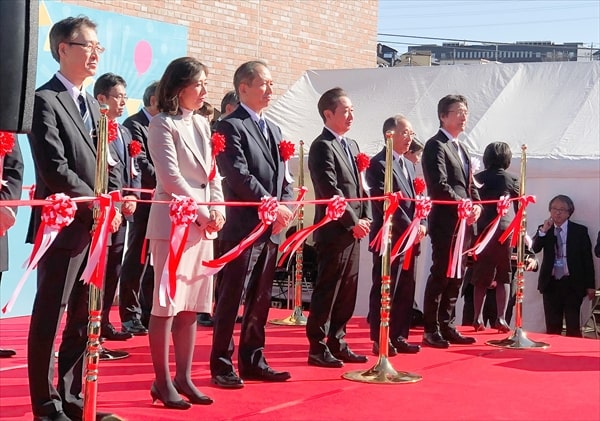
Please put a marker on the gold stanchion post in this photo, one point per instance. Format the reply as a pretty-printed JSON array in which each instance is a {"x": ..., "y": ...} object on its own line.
[
  {"x": 518, "y": 339},
  {"x": 383, "y": 372}
]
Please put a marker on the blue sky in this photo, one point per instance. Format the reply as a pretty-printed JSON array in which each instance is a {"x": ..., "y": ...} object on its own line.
[{"x": 492, "y": 20}]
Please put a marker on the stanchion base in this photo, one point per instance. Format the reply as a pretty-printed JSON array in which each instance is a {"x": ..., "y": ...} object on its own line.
[
  {"x": 382, "y": 373},
  {"x": 295, "y": 319},
  {"x": 518, "y": 340}
]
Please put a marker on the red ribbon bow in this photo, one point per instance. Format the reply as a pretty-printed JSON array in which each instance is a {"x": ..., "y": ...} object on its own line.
[
  {"x": 218, "y": 145},
  {"x": 465, "y": 208},
  {"x": 515, "y": 225},
  {"x": 409, "y": 236}
]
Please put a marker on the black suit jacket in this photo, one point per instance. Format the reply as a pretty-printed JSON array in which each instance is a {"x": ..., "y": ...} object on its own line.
[
  {"x": 375, "y": 179},
  {"x": 446, "y": 179},
  {"x": 331, "y": 175},
  {"x": 12, "y": 173},
  {"x": 65, "y": 160},
  {"x": 496, "y": 182},
  {"x": 252, "y": 169},
  {"x": 579, "y": 257},
  {"x": 137, "y": 124}
]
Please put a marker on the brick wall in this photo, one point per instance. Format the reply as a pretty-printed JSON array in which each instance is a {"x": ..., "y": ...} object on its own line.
[{"x": 291, "y": 35}]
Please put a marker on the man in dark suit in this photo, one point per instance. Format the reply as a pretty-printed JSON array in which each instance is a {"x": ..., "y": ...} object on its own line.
[
  {"x": 63, "y": 146},
  {"x": 448, "y": 175},
  {"x": 402, "y": 282},
  {"x": 332, "y": 166},
  {"x": 567, "y": 269},
  {"x": 12, "y": 174},
  {"x": 109, "y": 90},
  {"x": 252, "y": 168},
  {"x": 137, "y": 284}
]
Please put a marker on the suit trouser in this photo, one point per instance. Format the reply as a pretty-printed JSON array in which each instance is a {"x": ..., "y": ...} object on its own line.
[
  {"x": 334, "y": 296},
  {"x": 257, "y": 265},
  {"x": 561, "y": 298},
  {"x": 114, "y": 262},
  {"x": 58, "y": 273},
  {"x": 135, "y": 290}
]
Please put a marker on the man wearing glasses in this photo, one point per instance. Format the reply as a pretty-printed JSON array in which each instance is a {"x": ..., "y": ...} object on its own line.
[
  {"x": 448, "y": 175},
  {"x": 567, "y": 270},
  {"x": 63, "y": 147}
]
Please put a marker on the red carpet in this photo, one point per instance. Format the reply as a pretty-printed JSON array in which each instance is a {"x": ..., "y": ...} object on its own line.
[{"x": 476, "y": 382}]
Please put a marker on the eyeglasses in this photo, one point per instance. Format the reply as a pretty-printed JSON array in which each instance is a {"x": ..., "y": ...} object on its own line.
[
  {"x": 119, "y": 97},
  {"x": 409, "y": 133},
  {"x": 460, "y": 113},
  {"x": 560, "y": 210},
  {"x": 89, "y": 46}
]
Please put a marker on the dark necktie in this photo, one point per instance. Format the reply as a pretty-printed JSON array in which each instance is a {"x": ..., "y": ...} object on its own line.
[
  {"x": 346, "y": 148},
  {"x": 403, "y": 167},
  {"x": 119, "y": 145},
  {"x": 262, "y": 125},
  {"x": 460, "y": 156},
  {"x": 85, "y": 113},
  {"x": 559, "y": 258}
]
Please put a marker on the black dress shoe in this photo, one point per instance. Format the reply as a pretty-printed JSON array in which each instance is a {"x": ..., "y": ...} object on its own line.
[
  {"x": 55, "y": 416},
  {"x": 324, "y": 360},
  {"x": 266, "y": 375},
  {"x": 7, "y": 353},
  {"x": 134, "y": 327},
  {"x": 109, "y": 333},
  {"x": 195, "y": 398},
  {"x": 204, "y": 319},
  {"x": 404, "y": 347},
  {"x": 348, "y": 356},
  {"x": 227, "y": 381},
  {"x": 391, "y": 349},
  {"x": 454, "y": 337},
  {"x": 112, "y": 354},
  {"x": 435, "y": 340},
  {"x": 180, "y": 404}
]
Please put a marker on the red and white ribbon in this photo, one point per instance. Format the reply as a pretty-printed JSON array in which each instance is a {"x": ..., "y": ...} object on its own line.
[
  {"x": 381, "y": 241},
  {"x": 55, "y": 216},
  {"x": 335, "y": 210},
  {"x": 183, "y": 211},
  {"x": 465, "y": 208},
  {"x": 267, "y": 213},
  {"x": 409, "y": 237},
  {"x": 515, "y": 225},
  {"x": 96, "y": 264},
  {"x": 502, "y": 207}
]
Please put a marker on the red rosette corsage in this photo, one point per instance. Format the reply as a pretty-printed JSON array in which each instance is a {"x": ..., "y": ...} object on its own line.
[
  {"x": 362, "y": 163},
  {"x": 112, "y": 131},
  {"x": 7, "y": 143},
  {"x": 135, "y": 148},
  {"x": 419, "y": 185},
  {"x": 217, "y": 141},
  {"x": 286, "y": 151}
]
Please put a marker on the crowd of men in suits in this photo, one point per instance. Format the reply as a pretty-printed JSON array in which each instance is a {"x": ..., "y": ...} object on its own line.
[{"x": 64, "y": 154}]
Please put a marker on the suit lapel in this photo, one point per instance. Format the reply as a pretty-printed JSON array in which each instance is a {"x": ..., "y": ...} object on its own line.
[
  {"x": 402, "y": 180},
  {"x": 71, "y": 109},
  {"x": 259, "y": 140},
  {"x": 188, "y": 141}
]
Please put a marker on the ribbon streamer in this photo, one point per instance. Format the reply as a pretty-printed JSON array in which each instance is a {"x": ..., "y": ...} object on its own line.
[
  {"x": 267, "y": 213},
  {"x": 381, "y": 240},
  {"x": 55, "y": 216},
  {"x": 409, "y": 237},
  {"x": 502, "y": 207},
  {"x": 515, "y": 225},
  {"x": 465, "y": 207},
  {"x": 335, "y": 210}
]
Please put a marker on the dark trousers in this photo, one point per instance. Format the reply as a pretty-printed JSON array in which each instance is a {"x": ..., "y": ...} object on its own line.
[
  {"x": 561, "y": 299},
  {"x": 402, "y": 294},
  {"x": 58, "y": 273},
  {"x": 137, "y": 285},
  {"x": 334, "y": 296},
  {"x": 114, "y": 261},
  {"x": 441, "y": 292},
  {"x": 257, "y": 266}
]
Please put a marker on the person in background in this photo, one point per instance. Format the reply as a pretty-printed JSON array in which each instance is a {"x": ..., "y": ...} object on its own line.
[
  {"x": 448, "y": 175},
  {"x": 12, "y": 179},
  {"x": 179, "y": 141},
  {"x": 567, "y": 270},
  {"x": 333, "y": 171},
  {"x": 492, "y": 268},
  {"x": 207, "y": 111},
  {"x": 597, "y": 247},
  {"x": 414, "y": 152},
  {"x": 137, "y": 278},
  {"x": 253, "y": 168},
  {"x": 63, "y": 149},
  {"x": 402, "y": 282},
  {"x": 109, "y": 90}
]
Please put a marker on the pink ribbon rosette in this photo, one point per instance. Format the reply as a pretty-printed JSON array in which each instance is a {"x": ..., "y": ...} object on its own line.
[
  {"x": 217, "y": 141},
  {"x": 362, "y": 163},
  {"x": 409, "y": 237},
  {"x": 465, "y": 207},
  {"x": 486, "y": 235},
  {"x": 286, "y": 150},
  {"x": 7, "y": 143},
  {"x": 267, "y": 213},
  {"x": 134, "y": 149},
  {"x": 335, "y": 210},
  {"x": 515, "y": 225},
  {"x": 55, "y": 216},
  {"x": 381, "y": 240},
  {"x": 96, "y": 264},
  {"x": 183, "y": 211}
]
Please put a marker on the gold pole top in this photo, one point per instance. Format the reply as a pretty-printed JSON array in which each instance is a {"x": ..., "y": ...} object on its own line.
[{"x": 104, "y": 109}]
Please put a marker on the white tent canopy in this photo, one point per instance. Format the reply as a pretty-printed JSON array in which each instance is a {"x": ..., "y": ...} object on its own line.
[{"x": 553, "y": 108}]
